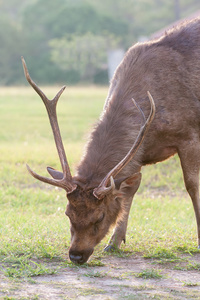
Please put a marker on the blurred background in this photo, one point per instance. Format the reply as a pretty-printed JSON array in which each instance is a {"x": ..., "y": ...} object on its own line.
[{"x": 79, "y": 41}]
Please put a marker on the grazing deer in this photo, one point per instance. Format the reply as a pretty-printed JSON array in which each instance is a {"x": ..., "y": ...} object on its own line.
[{"x": 108, "y": 176}]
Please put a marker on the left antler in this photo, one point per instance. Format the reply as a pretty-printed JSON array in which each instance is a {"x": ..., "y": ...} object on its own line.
[{"x": 66, "y": 182}]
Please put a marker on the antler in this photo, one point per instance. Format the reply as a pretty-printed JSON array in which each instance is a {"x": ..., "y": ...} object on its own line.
[
  {"x": 102, "y": 189},
  {"x": 66, "y": 182}
]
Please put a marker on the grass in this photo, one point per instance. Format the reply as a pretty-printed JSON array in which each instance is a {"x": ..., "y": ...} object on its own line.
[
  {"x": 95, "y": 274},
  {"x": 32, "y": 220},
  {"x": 190, "y": 284},
  {"x": 27, "y": 268},
  {"x": 188, "y": 267},
  {"x": 149, "y": 274}
]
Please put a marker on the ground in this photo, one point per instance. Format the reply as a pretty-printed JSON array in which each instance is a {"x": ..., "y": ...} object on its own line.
[{"x": 127, "y": 277}]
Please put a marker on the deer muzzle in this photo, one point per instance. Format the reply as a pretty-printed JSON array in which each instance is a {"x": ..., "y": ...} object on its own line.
[{"x": 80, "y": 257}]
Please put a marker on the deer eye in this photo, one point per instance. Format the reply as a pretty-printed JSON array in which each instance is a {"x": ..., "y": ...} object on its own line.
[{"x": 100, "y": 220}]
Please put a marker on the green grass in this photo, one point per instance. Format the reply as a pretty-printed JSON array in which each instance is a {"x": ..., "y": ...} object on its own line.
[
  {"x": 32, "y": 219},
  {"x": 149, "y": 274},
  {"x": 24, "y": 267},
  {"x": 94, "y": 274}
]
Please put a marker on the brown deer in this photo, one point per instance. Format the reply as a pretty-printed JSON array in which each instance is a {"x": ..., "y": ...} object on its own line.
[{"x": 108, "y": 176}]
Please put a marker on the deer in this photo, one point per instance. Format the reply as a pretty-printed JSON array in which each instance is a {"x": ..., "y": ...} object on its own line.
[{"x": 151, "y": 113}]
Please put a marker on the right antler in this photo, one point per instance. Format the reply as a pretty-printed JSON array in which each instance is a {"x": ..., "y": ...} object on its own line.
[
  {"x": 66, "y": 182},
  {"x": 102, "y": 189}
]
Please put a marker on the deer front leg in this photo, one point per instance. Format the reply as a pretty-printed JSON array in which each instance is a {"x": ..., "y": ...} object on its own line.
[
  {"x": 119, "y": 234},
  {"x": 128, "y": 187},
  {"x": 190, "y": 162}
]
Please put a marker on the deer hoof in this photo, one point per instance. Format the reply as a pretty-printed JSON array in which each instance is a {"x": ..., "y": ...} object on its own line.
[{"x": 110, "y": 248}]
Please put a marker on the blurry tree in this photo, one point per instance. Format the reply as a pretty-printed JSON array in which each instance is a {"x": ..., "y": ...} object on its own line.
[
  {"x": 144, "y": 17},
  {"x": 85, "y": 54},
  {"x": 45, "y": 31},
  {"x": 63, "y": 19},
  {"x": 11, "y": 45}
]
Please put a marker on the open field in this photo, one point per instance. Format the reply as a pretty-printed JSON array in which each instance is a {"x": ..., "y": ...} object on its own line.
[{"x": 160, "y": 259}]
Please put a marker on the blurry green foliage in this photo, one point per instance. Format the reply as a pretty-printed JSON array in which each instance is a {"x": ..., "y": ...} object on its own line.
[{"x": 38, "y": 29}]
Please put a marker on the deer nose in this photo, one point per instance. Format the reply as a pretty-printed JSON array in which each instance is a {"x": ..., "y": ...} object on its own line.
[
  {"x": 76, "y": 258},
  {"x": 80, "y": 257}
]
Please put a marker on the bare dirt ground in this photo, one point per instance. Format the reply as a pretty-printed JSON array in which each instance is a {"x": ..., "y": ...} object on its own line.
[{"x": 117, "y": 278}]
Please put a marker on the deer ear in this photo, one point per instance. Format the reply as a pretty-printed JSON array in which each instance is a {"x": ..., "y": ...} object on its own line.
[
  {"x": 55, "y": 174},
  {"x": 129, "y": 186}
]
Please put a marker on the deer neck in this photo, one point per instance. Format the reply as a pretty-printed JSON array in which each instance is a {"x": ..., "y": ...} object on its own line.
[{"x": 109, "y": 142}]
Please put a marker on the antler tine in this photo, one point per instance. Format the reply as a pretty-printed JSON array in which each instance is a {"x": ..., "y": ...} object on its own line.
[
  {"x": 60, "y": 183},
  {"x": 100, "y": 190},
  {"x": 31, "y": 82},
  {"x": 139, "y": 109},
  {"x": 66, "y": 181},
  {"x": 37, "y": 89}
]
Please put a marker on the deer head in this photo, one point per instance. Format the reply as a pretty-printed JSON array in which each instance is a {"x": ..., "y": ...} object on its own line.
[{"x": 91, "y": 210}]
